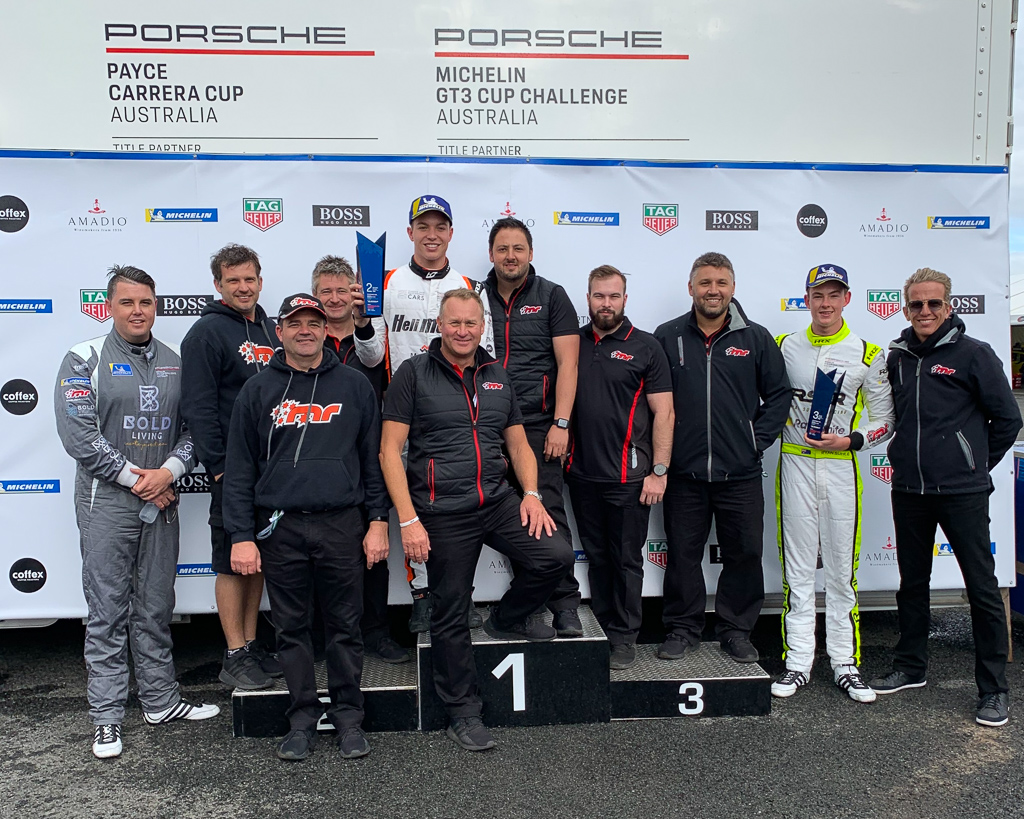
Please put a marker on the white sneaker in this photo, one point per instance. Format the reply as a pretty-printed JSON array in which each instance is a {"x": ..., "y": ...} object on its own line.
[
  {"x": 848, "y": 678},
  {"x": 106, "y": 741},
  {"x": 183, "y": 709},
  {"x": 788, "y": 683}
]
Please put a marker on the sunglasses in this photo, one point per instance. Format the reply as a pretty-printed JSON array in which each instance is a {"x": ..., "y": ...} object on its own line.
[{"x": 934, "y": 305}]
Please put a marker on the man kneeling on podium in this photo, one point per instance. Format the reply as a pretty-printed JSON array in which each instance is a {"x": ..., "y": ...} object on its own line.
[{"x": 455, "y": 406}]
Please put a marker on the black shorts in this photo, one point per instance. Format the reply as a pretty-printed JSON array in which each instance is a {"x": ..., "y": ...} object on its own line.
[{"x": 220, "y": 541}]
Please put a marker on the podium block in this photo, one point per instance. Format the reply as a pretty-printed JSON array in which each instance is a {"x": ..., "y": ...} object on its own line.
[
  {"x": 389, "y": 693},
  {"x": 561, "y": 682},
  {"x": 707, "y": 683}
]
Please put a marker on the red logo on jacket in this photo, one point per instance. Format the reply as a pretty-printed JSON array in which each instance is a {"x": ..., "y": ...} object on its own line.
[
  {"x": 292, "y": 413},
  {"x": 736, "y": 351},
  {"x": 938, "y": 369},
  {"x": 530, "y": 309},
  {"x": 493, "y": 385},
  {"x": 256, "y": 352},
  {"x": 300, "y": 302},
  {"x": 618, "y": 355}
]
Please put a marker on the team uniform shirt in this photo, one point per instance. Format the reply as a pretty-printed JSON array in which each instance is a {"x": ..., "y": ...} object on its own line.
[
  {"x": 612, "y": 422},
  {"x": 347, "y": 351}
]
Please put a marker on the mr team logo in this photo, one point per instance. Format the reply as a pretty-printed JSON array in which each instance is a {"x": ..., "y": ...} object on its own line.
[
  {"x": 884, "y": 303},
  {"x": 13, "y": 214},
  {"x": 568, "y": 217},
  {"x": 791, "y": 305},
  {"x": 253, "y": 353},
  {"x": 661, "y": 218},
  {"x": 657, "y": 553},
  {"x": 618, "y": 355},
  {"x": 940, "y": 369},
  {"x": 885, "y": 225},
  {"x": 94, "y": 304},
  {"x": 967, "y": 305},
  {"x": 730, "y": 220},
  {"x": 19, "y": 397},
  {"x": 341, "y": 215},
  {"x": 959, "y": 222},
  {"x": 28, "y": 575},
  {"x": 96, "y": 219},
  {"x": 181, "y": 215},
  {"x": 182, "y": 305},
  {"x": 263, "y": 214},
  {"x": 530, "y": 309},
  {"x": 812, "y": 221},
  {"x": 29, "y": 487},
  {"x": 292, "y": 413},
  {"x": 26, "y": 305},
  {"x": 493, "y": 385},
  {"x": 736, "y": 351},
  {"x": 880, "y": 468}
]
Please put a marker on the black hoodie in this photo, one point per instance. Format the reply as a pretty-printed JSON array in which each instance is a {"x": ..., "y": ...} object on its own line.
[
  {"x": 219, "y": 354},
  {"x": 303, "y": 442},
  {"x": 955, "y": 414}
]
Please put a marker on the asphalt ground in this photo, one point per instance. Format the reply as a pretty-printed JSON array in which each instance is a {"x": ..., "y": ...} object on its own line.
[{"x": 914, "y": 754}]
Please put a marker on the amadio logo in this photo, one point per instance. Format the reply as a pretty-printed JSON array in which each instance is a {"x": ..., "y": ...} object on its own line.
[
  {"x": 13, "y": 214},
  {"x": 19, "y": 397},
  {"x": 28, "y": 575}
]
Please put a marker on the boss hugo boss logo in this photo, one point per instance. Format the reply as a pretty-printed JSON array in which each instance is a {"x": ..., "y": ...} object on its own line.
[
  {"x": 28, "y": 575},
  {"x": 341, "y": 215},
  {"x": 13, "y": 214},
  {"x": 195, "y": 483},
  {"x": 811, "y": 221},
  {"x": 183, "y": 305},
  {"x": 730, "y": 220},
  {"x": 19, "y": 397}
]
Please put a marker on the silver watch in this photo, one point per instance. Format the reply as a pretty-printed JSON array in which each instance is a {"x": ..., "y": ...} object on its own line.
[
  {"x": 536, "y": 495},
  {"x": 659, "y": 470}
]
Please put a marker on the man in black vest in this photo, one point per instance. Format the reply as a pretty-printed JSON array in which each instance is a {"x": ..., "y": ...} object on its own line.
[
  {"x": 536, "y": 339},
  {"x": 456, "y": 407}
]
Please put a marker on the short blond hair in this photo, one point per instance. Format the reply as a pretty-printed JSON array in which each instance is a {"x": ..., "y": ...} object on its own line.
[
  {"x": 926, "y": 274},
  {"x": 461, "y": 294},
  {"x": 605, "y": 271}
]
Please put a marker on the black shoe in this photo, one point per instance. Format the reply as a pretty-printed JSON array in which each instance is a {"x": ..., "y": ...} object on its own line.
[
  {"x": 268, "y": 660},
  {"x": 476, "y": 620},
  {"x": 993, "y": 709},
  {"x": 677, "y": 646},
  {"x": 419, "y": 620},
  {"x": 567, "y": 623},
  {"x": 296, "y": 745},
  {"x": 387, "y": 650},
  {"x": 532, "y": 629},
  {"x": 740, "y": 649},
  {"x": 470, "y": 733},
  {"x": 896, "y": 681},
  {"x": 352, "y": 743},
  {"x": 241, "y": 670},
  {"x": 623, "y": 656}
]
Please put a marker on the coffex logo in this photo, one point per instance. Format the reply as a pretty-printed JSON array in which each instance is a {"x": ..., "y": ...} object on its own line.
[
  {"x": 13, "y": 214},
  {"x": 28, "y": 575},
  {"x": 19, "y": 397},
  {"x": 812, "y": 221}
]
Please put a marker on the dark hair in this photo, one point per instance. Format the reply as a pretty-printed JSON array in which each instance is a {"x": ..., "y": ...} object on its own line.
[
  {"x": 232, "y": 256},
  {"x": 712, "y": 259},
  {"x": 127, "y": 273},
  {"x": 605, "y": 271},
  {"x": 509, "y": 223}
]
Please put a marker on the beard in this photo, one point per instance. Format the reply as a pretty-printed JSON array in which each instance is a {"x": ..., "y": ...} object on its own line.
[
  {"x": 514, "y": 276},
  {"x": 710, "y": 311},
  {"x": 606, "y": 322}
]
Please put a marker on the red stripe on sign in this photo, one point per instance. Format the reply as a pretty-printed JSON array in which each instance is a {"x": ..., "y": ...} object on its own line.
[
  {"x": 560, "y": 56},
  {"x": 245, "y": 52}
]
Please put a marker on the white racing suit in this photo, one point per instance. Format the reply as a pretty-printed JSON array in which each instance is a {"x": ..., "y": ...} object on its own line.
[
  {"x": 411, "y": 305},
  {"x": 818, "y": 493}
]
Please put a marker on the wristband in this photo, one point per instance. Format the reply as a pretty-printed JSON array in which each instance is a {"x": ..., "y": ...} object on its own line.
[{"x": 409, "y": 522}]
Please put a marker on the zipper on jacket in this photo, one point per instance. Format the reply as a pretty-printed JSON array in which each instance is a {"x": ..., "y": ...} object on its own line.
[
  {"x": 708, "y": 378},
  {"x": 473, "y": 415},
  {"x": 430, "y": 478},
  {"x": 917, "y": 399},
  {"x": 508, "y": 321},
  {"x": 753, "y": 437},
  {"x": 966, "y": 447}
]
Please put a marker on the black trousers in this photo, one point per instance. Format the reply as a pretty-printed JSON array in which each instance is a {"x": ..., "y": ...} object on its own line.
[
  {"x": 455, "y": 543},
  {"x": 737, "y": 508},
  {"x": 611, "y": 524},
  {"x": 376, "y": 581},
  {"x": 964, "y": 519},
  {"x": 325, "y": 550},
  {"x": 550, "y": 483}
]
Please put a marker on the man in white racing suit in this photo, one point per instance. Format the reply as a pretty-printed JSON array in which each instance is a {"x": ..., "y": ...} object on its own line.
[
  {"x": 411, "y": 305},
  {"x": 818, "y": 485}
]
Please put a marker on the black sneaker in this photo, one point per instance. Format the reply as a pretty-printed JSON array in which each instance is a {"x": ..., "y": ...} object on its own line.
[
  {"x": 296, "y": 745},
  {"x": 532, "y": 629},
  {"x": 896, "y": 681},
  {"x": 241, "y": 670},
  {"x": 623, "y": 656},
  {"x": 993, "y": 709},
  {"x": 475, "y": 618},
  {"x": 267, "y": 660},
  {"x": 740, "y": 649},
  {"x": 387, "y": 650},
  {"x": 567, "y": 623},
  {"x": 470, "y": 733},
  {"x": 419, "y": 620},
  {"x": 106, "y": 741},
  {"x": 352, "y": 743},
  {"x": 677, "y": 646}
]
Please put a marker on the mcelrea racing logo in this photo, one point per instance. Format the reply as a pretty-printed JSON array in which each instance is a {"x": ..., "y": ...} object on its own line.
[{"x": 292, "y": 413}]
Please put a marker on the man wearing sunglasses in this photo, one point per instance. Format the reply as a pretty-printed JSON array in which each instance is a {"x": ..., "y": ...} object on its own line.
[{"x": 955, "y": 419}]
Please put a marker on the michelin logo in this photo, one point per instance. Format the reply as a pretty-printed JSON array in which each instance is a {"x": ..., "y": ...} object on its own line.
[
  {"x": 24, "y": 306},
  {"x": 195, "y": 570},
  {"x": 958, "y": 222},
  {"x": 39, "y": 487},
  {"x": 568, "y": 217},
  {"x": 798, "y": 303},
  {"x": 180, "y": 215}
]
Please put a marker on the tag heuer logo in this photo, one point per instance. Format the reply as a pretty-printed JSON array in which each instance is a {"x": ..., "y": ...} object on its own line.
[
  {"x": 657, "y": 552},
  {"x": 661, "y": 218},
  {"x": 94, "y": 304},
  {"x": 263, "y": 214},
  {"x": 884, "y": 303},
  {"x": 880, "y": 468}
]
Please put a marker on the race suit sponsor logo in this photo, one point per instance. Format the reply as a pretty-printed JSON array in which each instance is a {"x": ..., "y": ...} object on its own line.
[
  {"x": 400, "y": 324},
  {"x": 26, "y": 305},
  {"x": 736, "y": 351},
  {"x": 341, "y": 215},
  {"x": 19, "y": 397},
  {"x": 252, "y": 353},
  {"x": 13, "y": 214},
  {"x": 94, "y": 304},
  {"x": 121, "y": 370},
  {"x": 263, "y": 214},
  {"x": 292, "y": 413},
  {"x": 181, "y": 215},
  {"x": 967, "y": 305},
  {"x": 530, "y": 309},
  {"x": 166, "y": 372},
  {"x": 68, "y": 382},
  {"x": 493, "y": 385},
  {"x": 790, "y": 305},
  {"x": 872, "y": 436},
  {"x": 657, "y": 552},
  {"x": 730, "y": 220},
  {"x": 880, "y": 468},
  {"x": 812, "y": 221},
  {"x": 43, "y": 487},
  {"x": 77, "y": 392},
  {"x": 149, "y": 399},
  {"x": 939, "y": 369},
  {"x": 28, "y": 575},
  {"x": 569, "y": 217},
  {"x": 958, "y": 222},
  {"x": 618, "y": 355},
  {"x": 884, "y": 303},
  {"x": 661, "y": 218},
  {"x": 300, "y": 302}
]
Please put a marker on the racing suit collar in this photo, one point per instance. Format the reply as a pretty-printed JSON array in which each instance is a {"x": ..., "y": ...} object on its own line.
[
  {"x": 139, "y": 350},
  {"x": 427, "y": 275},
  {"x": 835, "y": 338}
]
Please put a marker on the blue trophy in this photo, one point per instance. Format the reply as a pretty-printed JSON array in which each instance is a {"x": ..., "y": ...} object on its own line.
[
  {"x": 827, "y": 389},
  {"x": 370, "y": 264}
]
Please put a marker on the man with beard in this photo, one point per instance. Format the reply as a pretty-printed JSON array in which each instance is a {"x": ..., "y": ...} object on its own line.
[
  {"x": 536, "y": 338},
  {"x": 731, "y": 399},
  {"x": 621, "y": 446}
]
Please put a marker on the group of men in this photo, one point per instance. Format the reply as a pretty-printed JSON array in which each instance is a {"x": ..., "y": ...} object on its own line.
[{"x": 318, "y": 429}]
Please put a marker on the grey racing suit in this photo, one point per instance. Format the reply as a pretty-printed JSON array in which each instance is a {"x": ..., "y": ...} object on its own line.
[{"x": 117, "y": 407}]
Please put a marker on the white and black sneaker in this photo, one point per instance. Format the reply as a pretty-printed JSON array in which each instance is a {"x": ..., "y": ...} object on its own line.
[
  {"x": 788, "y": 684},
  {"x": 106, "y": 741},
  {"x": 848, "y": 678},
  {"x": 183, "y": 709}
]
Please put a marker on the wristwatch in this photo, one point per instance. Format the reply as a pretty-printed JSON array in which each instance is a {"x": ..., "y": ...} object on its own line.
[
  {"x": 533, "y": 494},
  {"x": 660, "y": 470},
  {"x": 562, "y": 423}
]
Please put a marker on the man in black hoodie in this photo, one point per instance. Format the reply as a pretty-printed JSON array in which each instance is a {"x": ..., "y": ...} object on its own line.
[
  {"x": 232, "y": 341},
  {"x": 955, "y": 419},
  {"x": 732, "y": 399},
  {"x": 303, "y": 481}
]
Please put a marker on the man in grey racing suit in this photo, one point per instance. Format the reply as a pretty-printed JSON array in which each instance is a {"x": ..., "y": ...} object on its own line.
[
  {"x": 818, "y": 485},
  {"x": 116, "y": 403}
]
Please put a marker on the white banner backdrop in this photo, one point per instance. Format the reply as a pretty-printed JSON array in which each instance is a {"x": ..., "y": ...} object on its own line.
[{"x": 64, "y": 221}]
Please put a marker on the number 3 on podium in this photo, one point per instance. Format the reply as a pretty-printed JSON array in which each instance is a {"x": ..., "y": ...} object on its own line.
[{"x": 693, "y": 699}]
